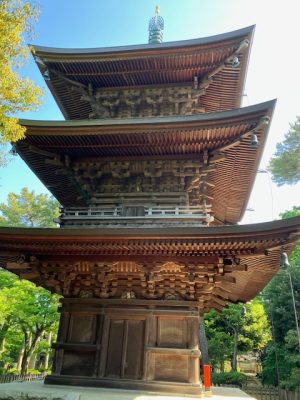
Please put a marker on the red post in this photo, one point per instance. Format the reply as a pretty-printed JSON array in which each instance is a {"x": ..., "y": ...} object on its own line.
[{"x": 207, "y": 377}]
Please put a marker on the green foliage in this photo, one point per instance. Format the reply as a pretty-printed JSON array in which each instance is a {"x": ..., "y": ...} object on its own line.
[
  {"x": 7, "y": 279},
  {"x": 29, "y": 210},
  {"x": 255, "y": 332},
  {"x": 32, "y": 308},
  {"x": 294, "y": 257},
  {"x": 282, "y": 356},
  {"x": 275, "y": 365},
  {"x": 219, "y": 348},
  {"x": 293, "y": 360},
  {"x": 279, "y": 306},
  {"x": 293, "y": 382},
  {"x": 281, "y": 363},
  {"x": 295, "y": 212},
  {"x": 32, "y": 371},
  {"x": 285, "y": 165},
  {"x": 238, "y": 329},
  {"x": 28, "y": 312},
  {"x": 278, "y": 302},
  {"x": 229, "y": 378},
  {"x": 12, "y": 371},
  {"x": 17, "y": 94}
]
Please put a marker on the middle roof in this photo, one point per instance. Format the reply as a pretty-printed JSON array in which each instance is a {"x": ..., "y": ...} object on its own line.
[{"x": 55, "y": 150}]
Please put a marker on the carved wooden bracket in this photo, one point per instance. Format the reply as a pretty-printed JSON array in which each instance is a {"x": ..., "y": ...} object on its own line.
[
  {"x": 207, "y": 282},
  {"x": 130, "y": 280},
  {"x": 142, "y": 102}
]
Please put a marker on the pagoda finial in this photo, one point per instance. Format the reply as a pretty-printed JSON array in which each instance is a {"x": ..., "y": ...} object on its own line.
[{"x": 156, "y": 27}]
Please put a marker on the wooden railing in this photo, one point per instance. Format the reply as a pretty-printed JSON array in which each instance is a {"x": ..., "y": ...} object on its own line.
[
  {"x": 262, "y": 393},
  {"x": 149, "y": 212},
  {"x": 176, "y": 211},
  {"x": 268, "y": 392},
  {"x": 21, "y": 378},
  {"x": 289, "y": 394},
  {"x": 92, "y": 212}
]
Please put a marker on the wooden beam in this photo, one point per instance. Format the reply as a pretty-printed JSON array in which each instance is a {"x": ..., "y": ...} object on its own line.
[
  {"x": 225, "y": 278},
  {"x": 18, "y": 266}
]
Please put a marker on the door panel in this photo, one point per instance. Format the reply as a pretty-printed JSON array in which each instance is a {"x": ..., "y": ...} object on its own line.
[
  {"x": 114, "y": 351},
  {"x": 134, "y": 350},
  {"x": 125, "y": 349}
]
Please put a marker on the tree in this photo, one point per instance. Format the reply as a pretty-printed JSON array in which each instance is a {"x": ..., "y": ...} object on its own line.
[
  {"x": 278, "y": 303},
  {"x": 233, "y": 319},
  {"x": 285, "y": 165},
  {"x": 256, "y": 332},
  {"x": 277, "y": 296},
  {"x": 239, "y": 328},
  {"x": 7, "y": 280},
  {"x": 295, "y": 255},
  {"x": 203, "y": 342},
  {"x": 17, "y": 94},
  {"x": 27, "y": 312},
  {"x": 32, "y": 311},
  {"x": 29, "y": 210},
  {"x": 219, "y": 343},
  {"x": 274, "y": 364}
]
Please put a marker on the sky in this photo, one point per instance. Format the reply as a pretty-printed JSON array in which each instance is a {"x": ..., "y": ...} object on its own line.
[{"x": 273, "y": 70}]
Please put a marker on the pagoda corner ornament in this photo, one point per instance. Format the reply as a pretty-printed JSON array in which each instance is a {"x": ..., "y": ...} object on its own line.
[{"x": 153, "y": 167}]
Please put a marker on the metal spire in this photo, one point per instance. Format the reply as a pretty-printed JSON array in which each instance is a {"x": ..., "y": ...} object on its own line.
[{"x": 156, "y": 27}]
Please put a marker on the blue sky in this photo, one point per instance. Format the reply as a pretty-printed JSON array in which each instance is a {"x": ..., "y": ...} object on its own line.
[{"x": 273, "y": 70}]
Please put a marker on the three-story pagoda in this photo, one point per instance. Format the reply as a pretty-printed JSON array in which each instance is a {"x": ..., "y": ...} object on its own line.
[{"x": 153, "y": 167}]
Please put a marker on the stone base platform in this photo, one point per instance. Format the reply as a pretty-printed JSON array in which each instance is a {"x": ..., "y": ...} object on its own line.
[{"x": 39, "y": 391}]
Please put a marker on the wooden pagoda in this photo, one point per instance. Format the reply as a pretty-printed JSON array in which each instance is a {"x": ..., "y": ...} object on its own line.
[{"x": 153, "y": 167}]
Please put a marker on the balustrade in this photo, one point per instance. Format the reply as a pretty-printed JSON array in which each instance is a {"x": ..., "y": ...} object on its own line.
[{"x": 136, "y": 213}]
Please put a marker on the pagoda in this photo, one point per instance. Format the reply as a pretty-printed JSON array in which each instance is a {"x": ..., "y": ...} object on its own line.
[{"x": 153, "y": 167}]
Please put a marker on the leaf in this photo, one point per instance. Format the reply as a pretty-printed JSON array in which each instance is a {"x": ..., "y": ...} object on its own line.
[
  {"x": 17, "y": 94},
  {"x": 285, "y": 165},
  {"x": 29, "y": 210}
]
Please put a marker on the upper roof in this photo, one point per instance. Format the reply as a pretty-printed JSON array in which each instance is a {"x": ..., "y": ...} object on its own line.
[
  {"x": 143, "y": 65},
  {"x": 52, "y": 149}
]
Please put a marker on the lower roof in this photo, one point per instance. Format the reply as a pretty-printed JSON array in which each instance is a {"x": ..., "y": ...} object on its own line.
[{"x": 257, "y": 248}]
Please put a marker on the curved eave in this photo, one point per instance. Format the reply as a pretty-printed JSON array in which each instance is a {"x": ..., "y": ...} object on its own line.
[
  {"x": 257, "y": 246},
  {"x": 156, "y": 122},
  {"x": 53, "y": 53},
  {"x": 173, "y": 63},
  {"x": 176, "y": 137},
  {"x": 247, "y": 232}
]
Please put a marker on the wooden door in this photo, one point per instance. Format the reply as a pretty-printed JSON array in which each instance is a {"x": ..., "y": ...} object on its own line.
[{"x": 125, "y": 351}]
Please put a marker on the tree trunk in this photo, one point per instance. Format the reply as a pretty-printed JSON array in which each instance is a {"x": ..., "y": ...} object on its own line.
[
  {"x": 32, "y": 361},
  {"x": 49, "y": 339},
  {"x": 2, "y": 344},
  {"x": 222, "y": 365},
  {"x": 20, "y": 359},
  {"x": 25, "y": 359},
  {"x": 24, "y": 363},
  {"x": 3, "y": 332},
  {"x": 235, "y": 350},
  {"x": 33, "y": 356},
  {"x": 29, "y": 347},
  {"x": 203, "y": 342}
]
